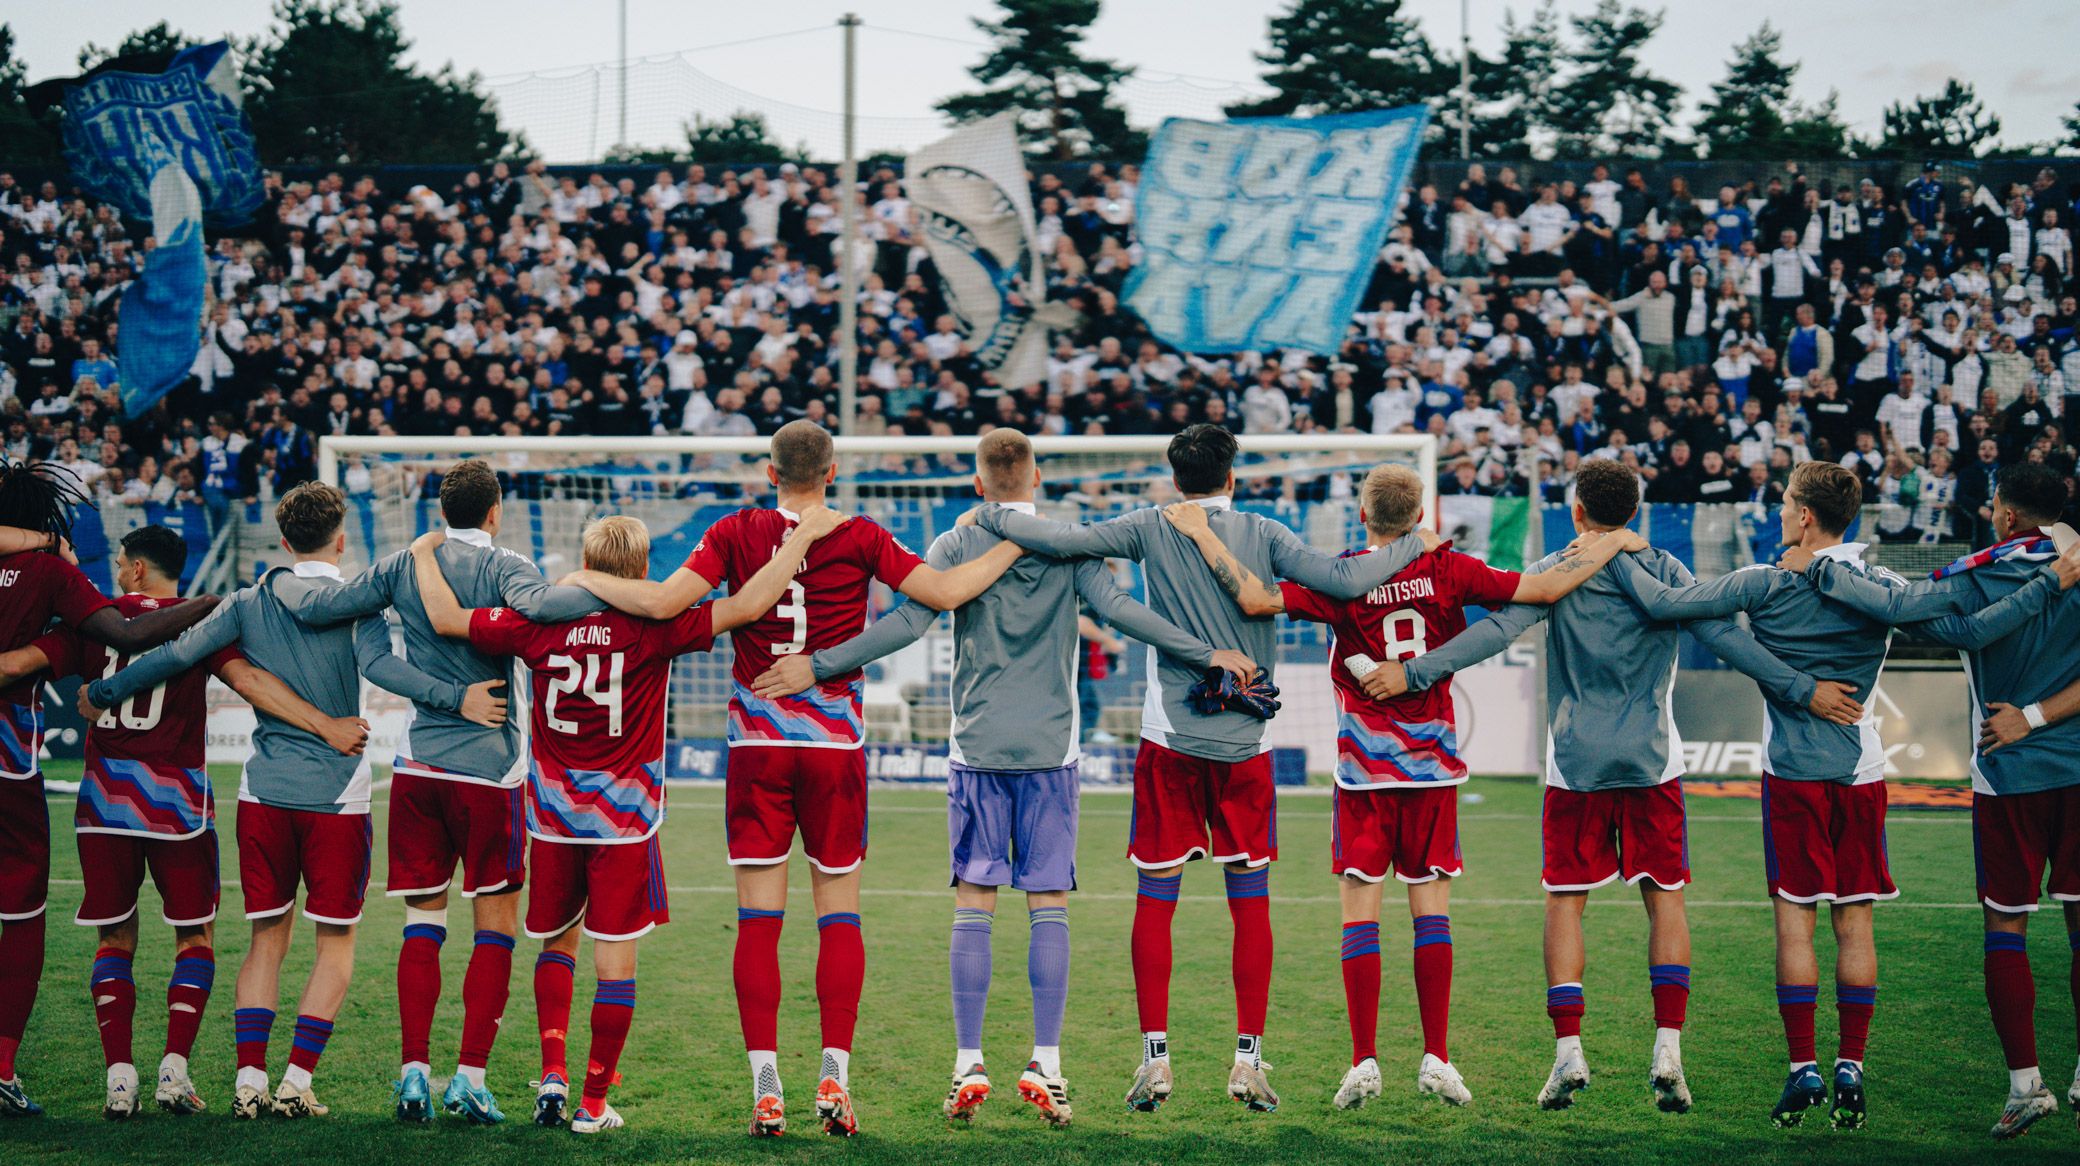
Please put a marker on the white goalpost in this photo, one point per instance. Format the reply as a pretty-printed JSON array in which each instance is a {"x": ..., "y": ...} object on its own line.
[{"x": 916, "y": 487}]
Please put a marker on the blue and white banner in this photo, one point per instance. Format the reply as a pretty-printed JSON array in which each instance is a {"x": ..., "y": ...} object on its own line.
[
  {"x": 174, "y": 147},
  {"x": 1262, "y": 233}
]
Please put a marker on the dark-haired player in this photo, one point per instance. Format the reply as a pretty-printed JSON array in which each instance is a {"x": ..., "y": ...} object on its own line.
[
  {"x": 2025, "y": 795},
  {"x": 1823, "y": 792},
  {"x": 1614, "y": 792},
  {"x": 145, "y": 804},
  {"x": 596, "y": 779},
  {"x": 303, "y": 807},
  {"x": 39, "y": 582},
  {"x": 455, "y": 786},
  {"x": 1202, "y": 783},
  {"x": 795, "y": 762},
  {"x": 1397, "y": 763}
]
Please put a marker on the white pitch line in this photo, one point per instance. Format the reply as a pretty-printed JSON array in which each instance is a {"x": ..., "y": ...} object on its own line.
[{"x": 1306, "y": 900}]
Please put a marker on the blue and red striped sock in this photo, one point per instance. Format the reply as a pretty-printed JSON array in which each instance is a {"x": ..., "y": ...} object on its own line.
[
  {"x": 1249, "y": 907},
  {"x": 1155, "y": 905},
  {"x": 114, "y": 994},
  {"x": 1565, "y": 1004},
  {"x": 613, "y": 1009},
  {"x": 309, "y": 1042},
  {"x": 1670, "y": 984},
  {"x": 2011, "y": 995},
  {"x": 252, "y": 1027},
  {"x": 187, "y": 994},
  {"x": 1854, "y": 1005},
  {"x": 1795, "y": 1005},
  {"x": 1433, "y": 969},
  {"x": 1361, "y": 987}
]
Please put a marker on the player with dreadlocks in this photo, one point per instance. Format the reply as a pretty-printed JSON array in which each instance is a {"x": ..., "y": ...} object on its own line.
[{"x": 40, "y": 581}]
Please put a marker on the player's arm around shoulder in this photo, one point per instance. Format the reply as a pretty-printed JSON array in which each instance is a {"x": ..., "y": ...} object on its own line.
[
  {"x": 219, "y": 631},
  {"x": 765, "y": 587},
  {"x": 1114, "y": 538},
  {"x": 1341, "y": 576},
  {"x": 521, "y": 586},
  {"x": 944, "y": 588},
  {"x": 1252, "y": 595},
  {"x": 2002, "y": 618},
  {"x": 443, "y": 611},
  {"x": 1882, "y": 595},
  {"x": 365, "y": 594},
  {"x": 1585, "y": 556}
]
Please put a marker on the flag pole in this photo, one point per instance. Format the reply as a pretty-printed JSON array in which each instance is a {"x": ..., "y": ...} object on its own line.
[{"x": 848, "y": 192}]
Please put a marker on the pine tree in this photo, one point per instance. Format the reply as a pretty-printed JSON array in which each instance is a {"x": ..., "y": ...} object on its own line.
[
  {"x": 1751, "y": 114},
  {"x": 2071, "y": 123},
  {"x": 22, "y": 141},
  {"x": 1953, "y": 123},
  {"x": 1346, "y": 56},
  {"x": 1610, "y": 103},
  {"x": 329, "y": 86},
  {"x": 1514, "y": 93},
  {"x": 159, "y": 38},
  {"x": 1063, "y": 98}
]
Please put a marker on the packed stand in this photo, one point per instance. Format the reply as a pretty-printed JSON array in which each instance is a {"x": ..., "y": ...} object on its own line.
[{"x": 1923, "y": 337}]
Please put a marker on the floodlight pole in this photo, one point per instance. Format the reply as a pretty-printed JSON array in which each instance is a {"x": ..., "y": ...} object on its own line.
[
  {"x": 621, "y": 130},
  {"x": 1465, "y": 82},
  {"x": 848, "y": 202}
]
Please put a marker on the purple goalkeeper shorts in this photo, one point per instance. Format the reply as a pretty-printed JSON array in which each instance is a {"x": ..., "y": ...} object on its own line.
[{"x": 1012, "y": 828}]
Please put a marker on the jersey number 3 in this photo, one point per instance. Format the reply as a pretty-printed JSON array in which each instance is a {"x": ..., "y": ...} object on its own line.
[
  {"x": 603, "y": 691},
  {"x": 1404, "y": 634},
  {"x": 795, "y": 608}
]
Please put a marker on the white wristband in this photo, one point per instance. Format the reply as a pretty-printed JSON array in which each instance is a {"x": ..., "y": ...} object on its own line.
[{"x": 2034, "y": 714}]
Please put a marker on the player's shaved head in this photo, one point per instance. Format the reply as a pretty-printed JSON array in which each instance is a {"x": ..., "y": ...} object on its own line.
[
  {"x": 1607, "y": 490},
  {"x": 310, "y": 516},
  {"x": 802, "y": 455},
  {"x": 1004, "y": 462},
  {"x": 2034, "y": 492},
  {"x": 159, "y": 548},
  {"x": 1393, "y": 499},
  {"x": 1832, "y": 492},
  {"x": 618, "y": 545},
  {"x": 469, "y": 492}
]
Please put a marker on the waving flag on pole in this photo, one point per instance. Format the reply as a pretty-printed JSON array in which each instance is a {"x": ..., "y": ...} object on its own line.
[
  {"x": 976, "y": 215},
  {"x": 1261, "y": 233},
  {"x": 171, "y": 144}
]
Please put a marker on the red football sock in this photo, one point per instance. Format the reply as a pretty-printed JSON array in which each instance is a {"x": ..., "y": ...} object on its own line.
[
  {"x": 115, "y": 1003},
  {"x": 1154, "y": 907},
  {"x": 252, "y": 1028},
  {"x": 1796, "y": 1004},
  {"x": 553, "y": 972},
  {"x": 485, "y": 988},
  {"x": 613, "y": 1006},
  {"x": 1853, "y": 1006},
  {"x": 841, "y": 969},
  {"x": 187, "y": 994},
  {"x": 419, "y": 988},
  {"x": 756, "y": 970},
  {"x": 309, "y": 1042},
  {"x": 1361, "y": 987},
  {"x": 1249, "y": 905},
  {"x": 1565, "y": 1005},
  {"x": 1433, "y": 959},
  {"x": 1670, "y": 985},
  {"x": 21, "y": 966},
  {"x": 2011, "y": 994},
  {"x": 2073, "y": 982}
]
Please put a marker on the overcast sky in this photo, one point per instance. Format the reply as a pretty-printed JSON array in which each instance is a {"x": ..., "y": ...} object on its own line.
[{"x": 1193, "y": 55}]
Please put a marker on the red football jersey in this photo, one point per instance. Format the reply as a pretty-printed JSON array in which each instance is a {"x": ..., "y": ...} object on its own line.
[
  {"x": 34, "y": 587},
  {"x": 597, "y": 724},
  {"x": 824, "y": 606},
  {"x": 144, "y": 758},
  {"x": 1410, "y": 738}
]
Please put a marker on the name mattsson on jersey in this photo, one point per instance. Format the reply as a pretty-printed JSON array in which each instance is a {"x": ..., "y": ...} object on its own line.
[{"x": 1399, "y": 591}]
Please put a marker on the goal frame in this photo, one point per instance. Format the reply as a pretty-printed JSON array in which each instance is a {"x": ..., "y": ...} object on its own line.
[{"x": 332, "y": 448}]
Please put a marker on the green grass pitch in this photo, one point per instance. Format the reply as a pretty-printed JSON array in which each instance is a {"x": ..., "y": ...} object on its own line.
[{"x": 1935, "y": 1071}]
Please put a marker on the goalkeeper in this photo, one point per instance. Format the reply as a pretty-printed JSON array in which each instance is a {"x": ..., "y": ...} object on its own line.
[{"x": 1202, "y": 782}]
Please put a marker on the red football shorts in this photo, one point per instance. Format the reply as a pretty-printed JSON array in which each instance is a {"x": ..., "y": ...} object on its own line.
[
  {"x": 114, "y": 866},
  {"x": 435, "y": 821},
  {"x": 618, "y": 890},
  {"x": 1414, "y": 829},
  {"x": 1187, "y": 807},
  {"x": 773, "y": 791},
  {"x": 25, "y": 848},
  {"x": 2015, "y": 837},
  {"x": 328, "y": 853},
  {"x": 1825, "y": 840},
  {"x": 1594, "y": 837}
]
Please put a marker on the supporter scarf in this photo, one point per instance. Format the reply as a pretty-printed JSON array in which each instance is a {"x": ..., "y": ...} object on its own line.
[{"x": 2034, "y": 545}]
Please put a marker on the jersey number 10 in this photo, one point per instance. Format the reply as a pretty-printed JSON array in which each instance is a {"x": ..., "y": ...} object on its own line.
[
  {"x": 585, "y": 678},
  {"x": 128, "y": 714}
]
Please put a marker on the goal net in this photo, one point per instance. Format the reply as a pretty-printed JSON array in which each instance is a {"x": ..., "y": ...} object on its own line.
[{"x": 917, "y": 488}]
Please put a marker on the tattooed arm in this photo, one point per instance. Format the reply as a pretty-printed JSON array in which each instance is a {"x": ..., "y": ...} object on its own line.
[{"x": 1251, "y": 594}]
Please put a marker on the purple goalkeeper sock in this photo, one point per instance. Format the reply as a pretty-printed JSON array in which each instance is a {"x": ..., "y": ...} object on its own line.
[
  {"x": 1047, "y": 967},
  {"x": 970, "y": 964}
]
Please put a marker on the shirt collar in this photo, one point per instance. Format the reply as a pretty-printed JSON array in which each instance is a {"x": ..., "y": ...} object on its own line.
[
  {"x": 313, "y": 569},
  {"x": 1021, "y": 507},
  {"x": 787, "y": 514},
  {"x": 1216, "y": 502},
  {"x": 470, "y": 535},
  {"x": 1842, "y": 552}
]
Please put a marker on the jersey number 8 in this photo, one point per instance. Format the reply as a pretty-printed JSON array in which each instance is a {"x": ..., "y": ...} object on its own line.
[
  {"x": 1404, "y": 634},
  {"x": 606, "y": 696}
]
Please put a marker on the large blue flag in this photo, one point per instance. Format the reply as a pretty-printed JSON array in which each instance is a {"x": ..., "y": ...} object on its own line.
[
  {"x": 1262, "y": 232},
  {"x": 174, "y": 147}
]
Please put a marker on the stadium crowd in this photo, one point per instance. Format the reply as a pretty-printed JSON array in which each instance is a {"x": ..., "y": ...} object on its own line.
[{"x": 1922, "y": 336}]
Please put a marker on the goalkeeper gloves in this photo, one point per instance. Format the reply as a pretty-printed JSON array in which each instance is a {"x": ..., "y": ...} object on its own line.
[{"x": 1219, "y": 691}]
